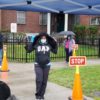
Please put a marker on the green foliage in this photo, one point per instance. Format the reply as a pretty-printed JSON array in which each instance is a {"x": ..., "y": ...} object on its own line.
[
  {"x": 80, "y": 31},
  {"x": 5, "y": 31},
  {"x": 92, "y": 31}
]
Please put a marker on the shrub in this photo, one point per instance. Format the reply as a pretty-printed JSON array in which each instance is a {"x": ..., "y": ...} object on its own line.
[
  {"x": 92, "y": 31},
  {"x": 80, "y": 31}
]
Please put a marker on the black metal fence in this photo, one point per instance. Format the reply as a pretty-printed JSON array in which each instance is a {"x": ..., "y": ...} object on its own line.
[{"x": 16, "y": 52}]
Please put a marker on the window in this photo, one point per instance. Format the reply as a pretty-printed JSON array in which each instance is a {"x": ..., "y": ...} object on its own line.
[
  {"x": 76, "y": 19},
  {"x": 95, "y": 21},
  {"x": 21, "y": 17},
  {"x": 43, "y": 19}
]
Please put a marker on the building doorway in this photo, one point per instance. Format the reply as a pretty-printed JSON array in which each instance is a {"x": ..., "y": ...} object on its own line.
[
  {"x": 57, "y": 23},
  {"x": 60, "y": 22}
]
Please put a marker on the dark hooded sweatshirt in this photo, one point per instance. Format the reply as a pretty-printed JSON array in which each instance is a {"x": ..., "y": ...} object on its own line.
[{"x": 42, "y": 52}]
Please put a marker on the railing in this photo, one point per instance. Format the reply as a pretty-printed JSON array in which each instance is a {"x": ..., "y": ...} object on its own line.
[{"x": 16, "y": 51}]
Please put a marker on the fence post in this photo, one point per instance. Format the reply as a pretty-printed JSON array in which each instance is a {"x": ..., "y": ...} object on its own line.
[
  {"x": 13, "y": 46},
  {"x": 26, "y": 57},
  {"x": 99, "y": 49}
]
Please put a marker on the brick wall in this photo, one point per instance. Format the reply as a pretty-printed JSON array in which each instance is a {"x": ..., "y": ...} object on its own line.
[
  {"x": 8, "y": 17},
  {"x": 32, "y": 21},
  {"x": 85, "y": 19}
]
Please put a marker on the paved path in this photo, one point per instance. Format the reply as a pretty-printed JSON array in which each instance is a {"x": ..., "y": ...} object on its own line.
[
  {"x": 63, "y": 63},
  {"x": 21, "y": 80}
]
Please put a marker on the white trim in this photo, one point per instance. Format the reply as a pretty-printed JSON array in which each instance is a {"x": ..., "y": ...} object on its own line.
[
  {"x": 49, "y": 23},
  {"x": 95, "y": 22},
  {"x": 66, "y": 23},
  {"x": 44, "y": 7},
  {"x": 25, "y": 3},
  {"x": 95, "y": 9},
  {"x": 34, "y": 4},
  {"x": 75, "y": 3},
  {"x": 21, "y": 17},
  {"x": 96, "y": 5},
  {"x": 44, "y": 1},
  {"x": 15, "y": 4},
  {"x": 43, "y": 19},
  {"x": 74, "y": 10}
]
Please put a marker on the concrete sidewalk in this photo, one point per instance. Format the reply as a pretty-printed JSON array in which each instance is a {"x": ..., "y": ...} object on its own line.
[
  {"x": 21, "y": 80},
  {"x": 63, "y": 63}
]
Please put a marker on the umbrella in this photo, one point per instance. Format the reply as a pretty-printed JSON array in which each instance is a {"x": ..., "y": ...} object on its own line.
[
  {"x": 66, "y": 33},
  {"x": 66, "y": 6}
]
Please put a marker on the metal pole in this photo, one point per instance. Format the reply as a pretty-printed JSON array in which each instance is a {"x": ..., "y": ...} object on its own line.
[
  {"x": 99, "y": 49},
  {"x": 66, "y": 22},
  {"x": 13, "y": 46},
  {"x": 26, "y": 57},
  {"x": 48, "y": 23}
]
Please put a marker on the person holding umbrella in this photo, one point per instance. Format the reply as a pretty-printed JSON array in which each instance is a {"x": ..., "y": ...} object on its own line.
[
  {"x": 68, "y": 44},
  {"x": 43, "y": 44}
]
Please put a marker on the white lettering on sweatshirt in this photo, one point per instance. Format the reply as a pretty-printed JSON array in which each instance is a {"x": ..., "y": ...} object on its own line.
[{"x": 43, "y": 49}]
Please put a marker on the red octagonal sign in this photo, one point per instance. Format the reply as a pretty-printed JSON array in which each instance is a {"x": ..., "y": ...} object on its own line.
[{"x": 77, "y": 60}]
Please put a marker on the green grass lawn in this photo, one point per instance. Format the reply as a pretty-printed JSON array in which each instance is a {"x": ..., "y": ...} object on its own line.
[
  {"x": 90, "y": 78},
  {"x": 85, "y": 50}
]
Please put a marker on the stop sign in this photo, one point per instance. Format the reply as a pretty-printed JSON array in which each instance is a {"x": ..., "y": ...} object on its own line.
[{"x": 77, "y": 60}]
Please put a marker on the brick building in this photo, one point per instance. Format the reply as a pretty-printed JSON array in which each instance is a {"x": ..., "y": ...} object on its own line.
[
  {"x": 26, "y": 21},
  {"x": 89, "y": 20},
  {"x": 33, "y": 22}
]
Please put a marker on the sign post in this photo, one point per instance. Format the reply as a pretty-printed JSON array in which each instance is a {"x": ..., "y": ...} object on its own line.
[
  {"x": 75, "y": 47},
  {"x": 13, "y": 28}
]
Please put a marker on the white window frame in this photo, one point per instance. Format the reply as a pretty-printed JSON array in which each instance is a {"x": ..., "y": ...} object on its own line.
[
  {"x": 96, "y": 21},
  {"x": 43, "y": 19},
  {"x": 21, "y": 17}
]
